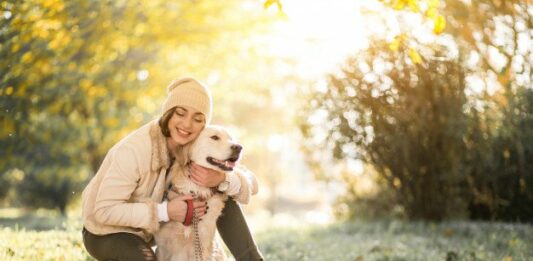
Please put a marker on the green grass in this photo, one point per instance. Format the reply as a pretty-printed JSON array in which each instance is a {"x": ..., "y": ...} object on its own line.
[
  {"x": 358, "y": 241},
  {"x": 400, "y": 241}
]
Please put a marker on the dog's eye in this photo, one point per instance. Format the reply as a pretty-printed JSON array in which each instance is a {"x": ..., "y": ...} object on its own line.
[{"x": 215, "y": 137}]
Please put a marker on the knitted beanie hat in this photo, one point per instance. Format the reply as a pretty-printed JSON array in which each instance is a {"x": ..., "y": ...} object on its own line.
[{"x": 189, "y": 92}]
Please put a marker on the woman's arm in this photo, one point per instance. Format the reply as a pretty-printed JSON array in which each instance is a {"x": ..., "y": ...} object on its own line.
[
  {"x": 113, "y": 206},
  {"x": 249, "y": 185},
  {"x": 246, "y": 187}
]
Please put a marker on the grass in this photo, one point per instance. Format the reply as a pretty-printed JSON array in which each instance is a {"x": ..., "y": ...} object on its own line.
[
  {"x": 21, "y": 238},
  {"x": 401, "y": 241}
]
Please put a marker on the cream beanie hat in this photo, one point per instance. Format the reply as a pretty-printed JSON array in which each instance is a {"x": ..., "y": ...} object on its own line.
[{"x": 189, "y": 92}]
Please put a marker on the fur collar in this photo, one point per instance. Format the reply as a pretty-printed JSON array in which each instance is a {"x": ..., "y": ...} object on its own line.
[{"x": 160, "y": 151}]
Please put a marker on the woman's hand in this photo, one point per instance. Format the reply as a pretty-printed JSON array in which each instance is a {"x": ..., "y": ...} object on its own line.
[
  {"x": 177, "y": 207},
  {"x": 206, "y": 177}
]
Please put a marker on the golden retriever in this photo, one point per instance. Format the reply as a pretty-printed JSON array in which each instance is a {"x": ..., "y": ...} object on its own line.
[{"x": 214, "y": 148}]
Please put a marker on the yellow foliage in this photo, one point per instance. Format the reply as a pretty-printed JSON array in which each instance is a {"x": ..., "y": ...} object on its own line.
[
  {"x": 505, "y": 76},
  {"x": 8, "y": 127},
  {"x": 17, "y": 21},
  {"x": 46, "y": 136},
  {"x": 9, "y": 90},
  {"x": 399, "y": 4},
  {"x": 15, "y": 47},
  {"x": 45, "y": 68},
  {"x": 398, "y": 42},
  {"x": 269, "y": 3},
  {"x": 439, "y": 24},
  {"x": 111, "y": 122},
  {"x": 413, "y": 5},
  {"x": 139, "y": 29},
  {"x": 433, "y": 3},
  {"x": 395, "y": 44},
  {"x": 101, "y": 91},
  {"x": 56, "y": 107},
  {"x": 95, "y": 68},
  {"x": 85, "y": 84},
  {"x": 431, "y": 13},
  {"x": 415, "y": 57},
  {"x": 21, "y": 90},
  {"x": 95, "y": 91},
  {"x": 62, "y": 53},
  {"x": 121, "y": 44},
  {"x": 26, "y": 57},
  {"x": 61, "y": 39},
  {"x": 71, "y": 66},
  {"x": 25, "y": 37}
]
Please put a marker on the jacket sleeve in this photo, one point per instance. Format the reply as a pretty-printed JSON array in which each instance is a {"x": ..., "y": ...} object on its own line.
[
  {"x": 112, "y": 204},
  {"x": 249, "y": 185}
]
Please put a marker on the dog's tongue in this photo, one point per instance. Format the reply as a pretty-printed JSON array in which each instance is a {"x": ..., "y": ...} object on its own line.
[
  {"x": 226, "y": 163},
  {"x": 229, "y": 164}
]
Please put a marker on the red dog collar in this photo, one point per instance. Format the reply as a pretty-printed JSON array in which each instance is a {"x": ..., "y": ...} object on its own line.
[{"x": 190, "y": 209}]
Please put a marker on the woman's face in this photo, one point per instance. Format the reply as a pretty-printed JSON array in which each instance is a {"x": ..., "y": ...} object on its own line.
[{"x": 185, "y": 125}]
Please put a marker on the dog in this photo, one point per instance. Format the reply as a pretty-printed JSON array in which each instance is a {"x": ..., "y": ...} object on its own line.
[{"x": 214, "y": 148}]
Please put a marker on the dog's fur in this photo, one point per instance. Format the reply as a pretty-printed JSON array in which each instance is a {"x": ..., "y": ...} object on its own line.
[{"x": 176, "y": 241}]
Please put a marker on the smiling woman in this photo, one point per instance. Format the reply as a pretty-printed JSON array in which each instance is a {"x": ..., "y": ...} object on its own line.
[
  {"x": 125, "y": 203},
  {"x": 181, "y": 124}
]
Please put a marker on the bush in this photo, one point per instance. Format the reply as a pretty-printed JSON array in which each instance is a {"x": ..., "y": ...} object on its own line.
[{"x": 406, "y": 120}]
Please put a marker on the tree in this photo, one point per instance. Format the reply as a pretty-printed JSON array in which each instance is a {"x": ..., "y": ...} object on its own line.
[
  {"x": 60, "y": 64},
  {"x": 77, "y": 76},
  {"x": 404, "y": 119},
  {"x": 495, "y": 33},
  {"x": 499, "y": 153},
  {"x": 493, "y": 39}
]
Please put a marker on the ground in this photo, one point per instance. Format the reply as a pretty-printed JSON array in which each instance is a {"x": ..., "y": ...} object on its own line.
[{"x": 31, "y": 237}]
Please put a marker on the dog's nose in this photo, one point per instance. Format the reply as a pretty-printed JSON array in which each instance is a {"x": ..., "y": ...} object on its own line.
[{"x": 236, "y": 148}]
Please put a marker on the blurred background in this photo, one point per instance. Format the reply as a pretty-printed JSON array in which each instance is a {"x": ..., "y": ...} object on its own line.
[{"x": 403, "y": 109}]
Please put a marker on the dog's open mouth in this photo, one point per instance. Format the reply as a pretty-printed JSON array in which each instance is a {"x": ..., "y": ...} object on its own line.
[{"x": 226, "y": 165}]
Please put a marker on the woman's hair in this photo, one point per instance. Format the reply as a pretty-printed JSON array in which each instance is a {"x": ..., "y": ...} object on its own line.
[
  {"x": 163, "y": 121},
  {"x": 182, "y": 151}
]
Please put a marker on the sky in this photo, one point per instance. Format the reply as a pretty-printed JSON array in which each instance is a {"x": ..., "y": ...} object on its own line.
[{"x": 319, "y": 34}]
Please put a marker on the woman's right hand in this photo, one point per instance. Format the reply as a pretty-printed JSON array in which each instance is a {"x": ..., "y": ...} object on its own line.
[{"x": 177, "y": 207}]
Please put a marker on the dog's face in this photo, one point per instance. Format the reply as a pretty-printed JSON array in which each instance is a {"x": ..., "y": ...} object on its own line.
[{"x": 215, "y": 149}]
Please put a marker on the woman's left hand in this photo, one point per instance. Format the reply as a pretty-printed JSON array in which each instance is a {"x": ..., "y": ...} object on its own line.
[{"x": 206, "y": 177}]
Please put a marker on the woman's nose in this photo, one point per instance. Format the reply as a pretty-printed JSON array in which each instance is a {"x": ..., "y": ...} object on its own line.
[{"x": 187, "y": 123}]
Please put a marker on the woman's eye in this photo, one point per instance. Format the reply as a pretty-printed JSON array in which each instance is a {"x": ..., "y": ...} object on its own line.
[
  {"x": 198, "y": 120},
  {"x": 215, "y": 137},
  {"x": 180, "y": 114}
]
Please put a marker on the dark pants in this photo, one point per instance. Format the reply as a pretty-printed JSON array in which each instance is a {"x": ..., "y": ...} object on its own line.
[
  {"x": 117, "y": 246},
  {"x": 125, "y": 246},
  {"x": 234, "y": 230}
]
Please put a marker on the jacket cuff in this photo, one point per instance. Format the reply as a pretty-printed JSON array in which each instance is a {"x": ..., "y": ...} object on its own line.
[
  {"x": 234, "y": 183},
  {"x": 153, "y": 225},
  {"x": 162, "y": 212},
  {"x": 248, "y": 185}
]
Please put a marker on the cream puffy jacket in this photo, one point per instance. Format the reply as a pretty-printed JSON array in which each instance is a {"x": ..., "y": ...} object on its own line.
[{"x": 124, "y": 193}]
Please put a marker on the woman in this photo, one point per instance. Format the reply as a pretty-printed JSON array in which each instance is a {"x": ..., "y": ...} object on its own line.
[{"x": 123, "y": 204}]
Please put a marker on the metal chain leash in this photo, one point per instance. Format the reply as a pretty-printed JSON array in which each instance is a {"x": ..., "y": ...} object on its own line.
[{"x": 197, "y": 243}]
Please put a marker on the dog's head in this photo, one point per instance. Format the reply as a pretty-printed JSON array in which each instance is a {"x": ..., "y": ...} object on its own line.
[{"x": 214, "y": 148}]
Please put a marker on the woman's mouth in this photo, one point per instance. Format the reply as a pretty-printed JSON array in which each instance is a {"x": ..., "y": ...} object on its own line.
[{"x": 183, "y": 133}]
